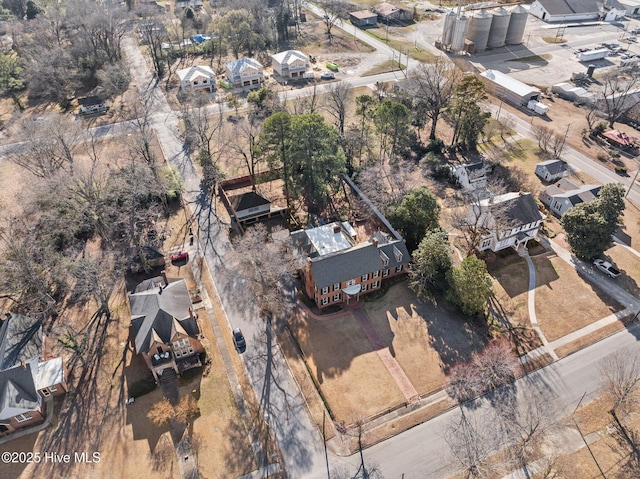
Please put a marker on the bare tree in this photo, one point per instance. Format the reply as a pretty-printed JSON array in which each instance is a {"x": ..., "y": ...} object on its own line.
[
  {"x": 435, "y": 82},
  {"x": 615, "y": 99},
  {"x": 333, "y": 10},
  {"x": 96, "y": 278},
  {"x": 265, "y": 278},
  {"x": 620, "y": 380},
  {"x": 544, "y": 136},
  {"x": 472, "y": 440},
  {"x": 52, "y": 142},
  {"x": 337, "y": 102},
  {"x": 386, "y": 184},
  {"x": 248, "y": 149},
  {"x": 187, "y": 408},
  {"x": 161, "y": 412}
]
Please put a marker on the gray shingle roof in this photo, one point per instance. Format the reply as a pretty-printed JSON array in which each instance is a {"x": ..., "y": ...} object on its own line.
[
  {"x": 554, "y": 166},
  {"x": 348, "y": 264},
  {"x": 247, "y": 200},
  {"x": 154, "y": 311},
  {"x": 519, "y": 210},
  {"x": 17, "y": 392},
  {"x": 570, "y": 7},
  {"x": 236, "y": 66},
  {"x": 20, "y": 340}
]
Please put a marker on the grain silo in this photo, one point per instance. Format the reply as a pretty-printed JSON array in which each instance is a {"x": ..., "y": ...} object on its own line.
[
  {"x": 499, "y": 27},
  {"x": 459, "y": 32},
  {"x": 447, "y": 31},
  {"x": 479, "y": 27},
  {"x": 517, "y": 23}
]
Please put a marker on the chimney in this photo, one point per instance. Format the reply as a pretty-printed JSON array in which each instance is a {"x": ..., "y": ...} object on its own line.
[
  {"x": 160, "y": 290},
  {"x": 336, "y": 228},
  {"x": 191, "y": 314},
  {"x": 164, "y": 277},
  {"x": 23, "y": 365},
  {"x": 375, "y": 242}
]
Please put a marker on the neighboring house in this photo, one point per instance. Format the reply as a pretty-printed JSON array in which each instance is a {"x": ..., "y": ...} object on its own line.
[
  {"x": 364, "y": 18},
  {"x": 566, "y": 10},
  {"x": 620, "y": 139},
  {"x": 250, "y": 206},
  {"x": 290, "y": 64},
  {"x": 390, "y": 14},
  {"x": 93, "y": 105},
  {"x": 472, "y": 176},
  {"x": 565, "y": 194},
  {"x": 197, "y": 78},
  {"x": 631, "y": 7},
  {"x": 343, "y": 262},
  {"x": 197, "y": 4},
  {"x": 551, "y": 170},
  {"x": 164, "y": 326},
  {"x": 27, "y": 374},
  {"x": 245, "y": 72},
  {"x": 511, "y": 220}
]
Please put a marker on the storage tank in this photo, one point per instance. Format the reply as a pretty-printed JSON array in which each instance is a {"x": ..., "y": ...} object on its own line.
[
  {"x": 459, "y": 31},
  {"x": 499, "y": 27},
  {"x": 517, "y": 23},
  {"x": 479, "y": 27},
  {"x": 447, "y": 31}
]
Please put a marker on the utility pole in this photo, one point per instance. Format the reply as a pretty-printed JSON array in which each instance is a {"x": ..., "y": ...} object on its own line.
[
  {"x": 634, "y": 178},
  {"x": 583, "y": 439}
]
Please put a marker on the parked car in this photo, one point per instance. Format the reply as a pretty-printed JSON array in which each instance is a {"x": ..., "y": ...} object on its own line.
[
  {"x": 239, "y": 341},
  {"x": 606, "y": 268},
  {"x": 180, "y": 256},
  {"x": 327, "y": 76}
]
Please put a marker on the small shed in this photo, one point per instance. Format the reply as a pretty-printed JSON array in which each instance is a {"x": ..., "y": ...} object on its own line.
[
  {"x": 551, "y": 170},
  {"x": 389, "y": 13},
  {"x": 364, "y": 18},
  {"x": 508, "y": 88},
  {"x": 249, "y": 205}
]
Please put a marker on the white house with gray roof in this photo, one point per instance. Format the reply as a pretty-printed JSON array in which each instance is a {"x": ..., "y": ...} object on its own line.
[
  {"x": 164, "y": 326},
  {"x": 471, "y": 176},
  {"x": 290, "y": 64},
  {"x": 509, "y": 220},
  {"x": 565, "y": 194},
  {"x": 245, "y": 72},
  {"x": 196, "y": 78},
  {"x": 566, "y": 10},
  {"x": 551, "y": 170}
]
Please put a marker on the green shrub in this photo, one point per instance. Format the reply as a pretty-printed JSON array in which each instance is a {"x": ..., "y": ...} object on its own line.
[
  {"x": 603, "y": 157},
  {"x": 621, "y": 170}
]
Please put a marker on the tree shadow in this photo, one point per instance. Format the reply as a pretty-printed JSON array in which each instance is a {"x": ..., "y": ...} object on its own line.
[{"x": 14, "y": 470}]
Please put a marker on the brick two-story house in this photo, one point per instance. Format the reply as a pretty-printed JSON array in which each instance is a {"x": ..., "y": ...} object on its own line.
[{"x": 164, "y": 326}]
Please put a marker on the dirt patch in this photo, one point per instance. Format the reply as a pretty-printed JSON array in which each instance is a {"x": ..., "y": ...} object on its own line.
[{"x": 564, "y": 301}]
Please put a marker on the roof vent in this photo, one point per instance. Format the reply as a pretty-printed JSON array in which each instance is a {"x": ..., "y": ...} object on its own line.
[{"x": 336, "y": 228}]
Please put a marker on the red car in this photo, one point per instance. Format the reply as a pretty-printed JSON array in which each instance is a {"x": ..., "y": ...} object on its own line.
[{"x": 180, "y": 256}]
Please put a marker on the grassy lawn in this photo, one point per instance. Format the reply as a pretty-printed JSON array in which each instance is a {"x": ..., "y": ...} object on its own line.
[
  {"x": 564, "y": 301},
  {"x": 349, "y": 372},
  {"x": 403, "y": 46},
  {"x": 425, "y": 340},
  {"x": 388, "y": 66}
]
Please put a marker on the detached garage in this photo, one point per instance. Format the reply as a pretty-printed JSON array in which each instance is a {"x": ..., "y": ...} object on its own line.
[{"x": 566, "y": 10}]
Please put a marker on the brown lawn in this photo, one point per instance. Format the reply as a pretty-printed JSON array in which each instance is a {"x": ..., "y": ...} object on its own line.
[
  {"x": 425, "y": 340},
  {"x": 349, "y": 372},
  {"x": 564, "y": 301},
  {"x": 629, "y": 264}
]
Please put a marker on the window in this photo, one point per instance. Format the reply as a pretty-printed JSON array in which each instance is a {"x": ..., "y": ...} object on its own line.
[
  {"x": 398, "y": 268},
  {"x": 397, "y": 253},
  {"x": 336, "y": 297},
  {"x": 325, "y": 301},
  {"x": 325, "y": 290},
  {"x": 23, "y": 417},
  {"x": 375, "y": 274},
  {"x": 374, "y": 285},
  {"x": 178, "y": 353},
  {"x": 364, "y": 288},
  {"x": 195, "y": 82},
  {"x": 385, "y": 272},
  {"x": 485, "y": 243},
  {"x": 384, "y": 258},
  {"x": 336, "y": 286},
  {"x": 365, "y": 277},
  {"x": 351, "y": 282}
]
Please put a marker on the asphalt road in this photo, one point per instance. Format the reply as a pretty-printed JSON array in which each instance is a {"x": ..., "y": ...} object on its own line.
[{"x": 422, "y": 452}]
